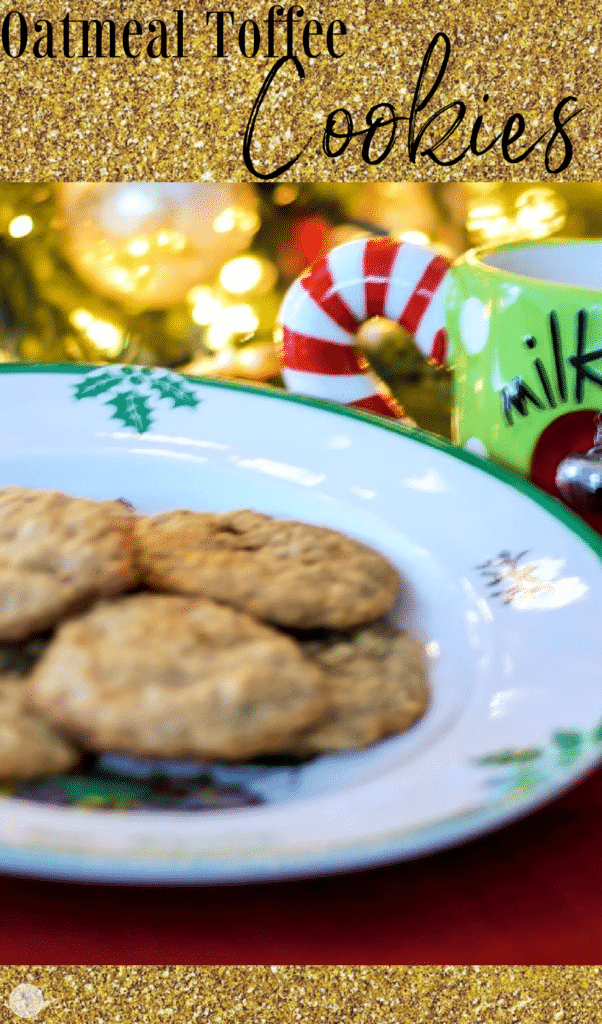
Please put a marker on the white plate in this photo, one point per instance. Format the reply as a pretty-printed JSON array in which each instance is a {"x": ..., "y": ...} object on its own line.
[{"x": 515, "y": 664}]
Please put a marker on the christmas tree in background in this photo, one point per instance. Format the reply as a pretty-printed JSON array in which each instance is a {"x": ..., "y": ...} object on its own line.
[{"x": 190, "y": 276}]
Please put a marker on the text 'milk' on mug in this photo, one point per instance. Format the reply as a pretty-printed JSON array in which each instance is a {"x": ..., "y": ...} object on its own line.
[{"x": 520, "y": 326}]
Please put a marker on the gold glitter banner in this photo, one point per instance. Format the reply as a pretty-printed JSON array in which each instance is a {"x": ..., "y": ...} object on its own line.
[
  {"x": 302, "y": 995},
  {"x": 345, "y": 90}
]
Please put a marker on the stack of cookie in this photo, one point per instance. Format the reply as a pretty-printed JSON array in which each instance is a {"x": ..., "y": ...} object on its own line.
[{"x": 192, "y": 635}]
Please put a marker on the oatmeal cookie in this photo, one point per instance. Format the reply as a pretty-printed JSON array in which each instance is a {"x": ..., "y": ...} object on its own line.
[
  {"x": 376, "y": 687},
  {"x": 28, "y": 746},
  {"x": 289, "y": 573},
  {"x": 173, "y": 676},
  {"x": 56, "y": 553}
]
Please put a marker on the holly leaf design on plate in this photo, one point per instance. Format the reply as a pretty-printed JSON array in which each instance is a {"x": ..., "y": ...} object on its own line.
[
  {"x": 132, "y": 409},
  {"x": 569, "y": 746},
  {"x": 180, "y": 394},
  {"x": 510, "y": 756},
  {"x": 91, "y": 386}
]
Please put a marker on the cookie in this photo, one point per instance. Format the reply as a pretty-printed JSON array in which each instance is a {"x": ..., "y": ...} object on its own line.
[
  {"x": 171, "y": 676},
  {"x": 28, "y": 745},
  {"x": 56, "y": 553},
  {"x": 289, "y": 573},
  {"x": 376, "y": 679}
]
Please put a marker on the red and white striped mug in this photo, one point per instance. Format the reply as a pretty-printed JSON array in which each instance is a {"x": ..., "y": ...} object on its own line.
[{"x": 521, "y": 326}]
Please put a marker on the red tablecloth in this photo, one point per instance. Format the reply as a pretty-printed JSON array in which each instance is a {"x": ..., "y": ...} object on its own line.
[{"x": 530, "y": 894}]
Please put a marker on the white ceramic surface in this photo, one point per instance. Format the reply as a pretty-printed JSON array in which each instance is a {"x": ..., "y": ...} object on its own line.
[{"x": 503, "y": 586}]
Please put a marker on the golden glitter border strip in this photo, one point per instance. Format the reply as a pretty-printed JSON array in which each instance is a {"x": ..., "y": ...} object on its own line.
[
  {"x": 347, "y": 90},
  {"x": 287, "y": 994}
]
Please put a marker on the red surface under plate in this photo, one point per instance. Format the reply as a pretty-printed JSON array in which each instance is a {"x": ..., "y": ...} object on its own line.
[{"x": 529, "y": 894}]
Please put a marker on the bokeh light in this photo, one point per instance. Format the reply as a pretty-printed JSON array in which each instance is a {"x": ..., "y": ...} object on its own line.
[{"x": 20, "y": 226}]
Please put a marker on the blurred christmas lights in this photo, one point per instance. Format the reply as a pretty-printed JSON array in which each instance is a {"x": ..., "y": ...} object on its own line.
[{"x": 191, "y": 275}]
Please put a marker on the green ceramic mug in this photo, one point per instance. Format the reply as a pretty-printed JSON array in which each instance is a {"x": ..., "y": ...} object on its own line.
[{"x": 520, "y": 325}]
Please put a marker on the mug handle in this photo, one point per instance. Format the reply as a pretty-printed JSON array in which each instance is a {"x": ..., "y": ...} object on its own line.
[{"x": 324, "y": 308}]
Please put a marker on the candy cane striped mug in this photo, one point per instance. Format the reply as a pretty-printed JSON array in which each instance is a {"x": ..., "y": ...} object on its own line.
[{"x": 520, "y": 325}]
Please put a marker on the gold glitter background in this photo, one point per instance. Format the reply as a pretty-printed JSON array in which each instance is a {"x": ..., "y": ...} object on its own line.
[
  {"x": 333, "y": 995},
  {"x": 184, "y": 119}
]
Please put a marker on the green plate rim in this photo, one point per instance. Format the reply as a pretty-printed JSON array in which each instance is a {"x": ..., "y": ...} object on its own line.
[{"x": 546, "y": 501}]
